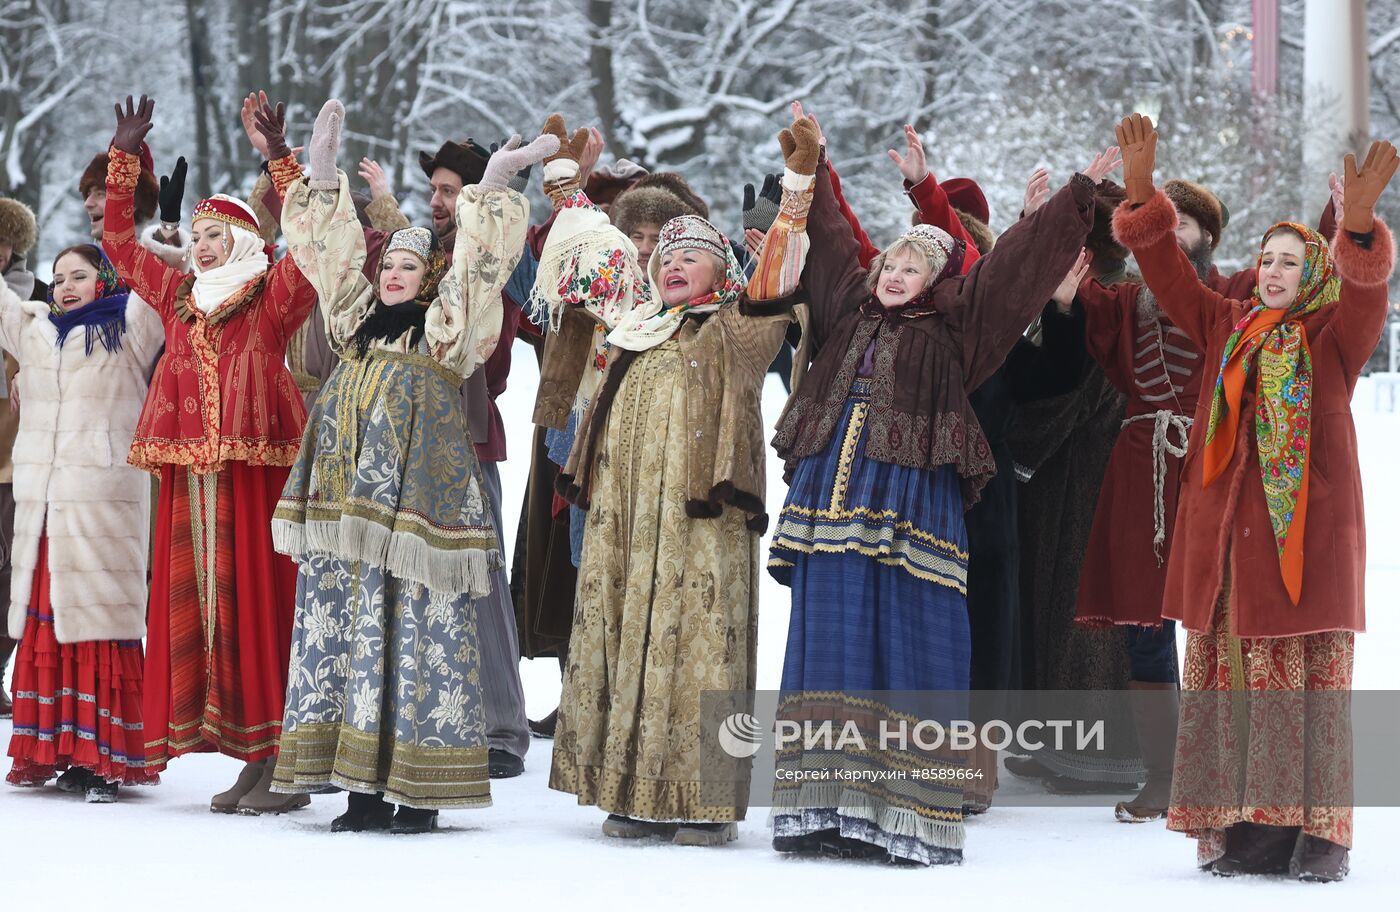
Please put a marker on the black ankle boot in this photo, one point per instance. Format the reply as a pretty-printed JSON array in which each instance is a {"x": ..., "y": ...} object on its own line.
[
  {"x": 410, "y": 821},
  {"x": 366, "y": 812}
]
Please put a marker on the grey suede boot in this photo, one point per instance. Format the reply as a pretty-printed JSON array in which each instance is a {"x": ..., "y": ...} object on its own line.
[{"x": 1155, "y": 711}]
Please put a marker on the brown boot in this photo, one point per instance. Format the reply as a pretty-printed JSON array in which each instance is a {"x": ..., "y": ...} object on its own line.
[
  {"x": 1155, "y": 710},
  {"x": 1256, "y": 848},
  {"x": 1319, "y": 861},
  {"x": 227, "y": 802},
  {"x": 262, "y": 800},
  {"x": 7, "y": 646}
]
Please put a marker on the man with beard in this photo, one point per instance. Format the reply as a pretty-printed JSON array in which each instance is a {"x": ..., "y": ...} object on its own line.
[{"x": 1159, "y": 370}]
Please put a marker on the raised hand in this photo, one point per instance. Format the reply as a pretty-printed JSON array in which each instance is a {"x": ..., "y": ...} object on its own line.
[
  {"x": 912, "y": 164},
  {"x": 761, "y": 207},
  {"x": 1137, "y": 139},
  {"x": 520, "y": 179},
  {"x": 801, "y": 145},
  {"x": 574, "y": 148},
  {"x": 172, "y": 193},
  {"x": 246, "y": 116},
  {"x": 325, "y": 143},
  {"x": 1064, "y": 295},
  {"x": 512, "y": 157},
  {"x": 271, "y": 123},
  {"x": 592, "y": 151},
  {"x": 798, "y": 114},
  {"x": 1104, "y": 164},
  {"x": 373, "y": 175},
  {"x": 133, "y": 124},
  {"x": 1037, "y": 191},
  {"x": 1362, "y": 186}
]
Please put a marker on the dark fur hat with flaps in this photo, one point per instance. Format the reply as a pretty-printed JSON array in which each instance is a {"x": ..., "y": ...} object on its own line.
[
  {"x": 1101, "y": 243},
  {"x": 459, "y": 158},
  {"x": 655, "y": 200},
  {"x": 1205, "y": 207},
  {"x": 147, "y": 187},
  {"x": 18, "y": 227}
]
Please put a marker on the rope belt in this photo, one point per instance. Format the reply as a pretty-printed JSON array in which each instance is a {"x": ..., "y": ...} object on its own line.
[{"x": 1162, "y": 421}]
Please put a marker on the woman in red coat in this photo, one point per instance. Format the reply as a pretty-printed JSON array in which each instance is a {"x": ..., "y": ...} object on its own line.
[
  {"x": 1268, "y": 565},
  {"x": 221, "y": 427}
]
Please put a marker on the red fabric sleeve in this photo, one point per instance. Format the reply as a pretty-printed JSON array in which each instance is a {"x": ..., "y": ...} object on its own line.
[
  {"x": 142, "y": 271},
  {"x": 1357, "y": 326},
  {"x": 868, "y": 251},
  {"x": 934, "y": 209}
]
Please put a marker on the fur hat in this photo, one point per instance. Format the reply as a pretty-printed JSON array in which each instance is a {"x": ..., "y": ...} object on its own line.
[
  {"x": 459, "y": 158},
  {"x": 655, "y": 200},
  {"x": 982, "y": 235},
  {"x": 1101, "y": 242},
  {"x": 1194, "y": 200},
  {"x": 965, "y": 195},
  {"x": 17, "y": 225},
  {"x": 147, "y": 188}
]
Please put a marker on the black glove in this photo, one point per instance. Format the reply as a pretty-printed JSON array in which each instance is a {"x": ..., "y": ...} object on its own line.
[
  {"x": 172, "y": 193},
  {"x": 521, "y": 179},
  {"x": 761, "y": 210}
]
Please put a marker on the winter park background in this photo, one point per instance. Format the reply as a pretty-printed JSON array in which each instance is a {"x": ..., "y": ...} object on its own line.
[{"x": 997, "y": 87}]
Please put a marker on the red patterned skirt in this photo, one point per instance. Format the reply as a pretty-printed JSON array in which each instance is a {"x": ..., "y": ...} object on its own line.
[
  {"x": 219, "y": 627},
  {"x": 1265, "y": 721},
  {"x": 76, "y": 704}
]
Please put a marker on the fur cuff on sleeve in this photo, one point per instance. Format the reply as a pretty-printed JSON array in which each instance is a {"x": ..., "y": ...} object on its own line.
[
  {"x": 771, "y": 308},
  {"x": 1365, "y": 267},
  {"x": 1138, "y": 227}
]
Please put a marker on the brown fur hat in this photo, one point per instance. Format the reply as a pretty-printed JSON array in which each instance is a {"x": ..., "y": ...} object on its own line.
[
  {"x": 981, "y": 234},
  {"x": 18, "y": 226},
  {"x": 655, "y": 200},
  {"x": 1194, "y": 200},
  {"x": 1101, "y": 243},
  {"x": 147, "y": 188}
]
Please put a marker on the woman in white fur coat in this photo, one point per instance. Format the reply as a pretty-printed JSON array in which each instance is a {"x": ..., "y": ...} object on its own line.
[{"x": 78, "y": 599}]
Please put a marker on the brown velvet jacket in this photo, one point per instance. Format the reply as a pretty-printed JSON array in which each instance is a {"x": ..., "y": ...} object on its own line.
[{"x": 925, "y": 363}]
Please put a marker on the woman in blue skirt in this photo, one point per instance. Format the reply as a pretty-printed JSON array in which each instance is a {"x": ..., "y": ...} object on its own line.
[{"x": 884, "y": 454}]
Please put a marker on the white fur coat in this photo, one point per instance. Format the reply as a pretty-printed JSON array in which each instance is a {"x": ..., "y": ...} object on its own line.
[{"x": 78, "y": 414}]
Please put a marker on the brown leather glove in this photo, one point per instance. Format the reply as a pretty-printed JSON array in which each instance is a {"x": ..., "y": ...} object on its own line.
[
  {"x": 801, "y": 145},
  {"x": 1363, "y": 187},
  {"x": 571, "y": 149},
  {"x": 1137, "y": 140},
  {"x": 133, "y": 124}
]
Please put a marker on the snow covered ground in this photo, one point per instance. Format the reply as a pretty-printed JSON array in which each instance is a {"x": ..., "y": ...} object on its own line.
[{"x": 536, "y": 846}]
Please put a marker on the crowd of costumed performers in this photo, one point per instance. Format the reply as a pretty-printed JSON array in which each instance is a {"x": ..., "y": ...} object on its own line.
[{"x": 252, "y": 503}]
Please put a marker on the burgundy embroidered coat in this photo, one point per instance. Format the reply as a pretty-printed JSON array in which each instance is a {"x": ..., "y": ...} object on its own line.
[{"x": 222, "y": 391}]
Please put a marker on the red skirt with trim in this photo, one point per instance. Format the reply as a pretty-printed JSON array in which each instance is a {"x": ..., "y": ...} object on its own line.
[
  {"x": 76, "y": 704},
  {"x": 219, "y": 628}
]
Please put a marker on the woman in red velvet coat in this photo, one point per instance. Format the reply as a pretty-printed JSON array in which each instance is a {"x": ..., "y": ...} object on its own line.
[
  {"x": 221, "y": 427},
  {"x": 1268, "y": 565}
]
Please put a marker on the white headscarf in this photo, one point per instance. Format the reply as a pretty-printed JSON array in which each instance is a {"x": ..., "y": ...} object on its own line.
[{"x": 247, "y": 260}]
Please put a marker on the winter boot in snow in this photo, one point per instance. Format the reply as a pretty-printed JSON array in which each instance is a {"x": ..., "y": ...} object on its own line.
[
  {"x": 806, "y": 844},
  {"x": 544, "y": 728},
  {"x": 74, "y": 780},
  {"x": 412, "y": 821},
  {"x": 502, "y": 764},
  {"x": 705, "y": 834},
  {"x": 100, "y": 791},
  {"x": 1256, "y": 848},
  {"x": 620, "y": 827},
  {"x": 1155, "y": 711},
  {"x": 7, "y": 646},
  {"x": 366, "y": 812},
  {"x": 262, "y": 800},
  {"x": 227, "y": 802},
  {"x": 1319, "y": 861}
]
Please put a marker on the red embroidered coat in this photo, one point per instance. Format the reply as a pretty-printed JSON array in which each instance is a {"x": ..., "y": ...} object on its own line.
[
  {"x": 1154, "y": 363},
  {"x": 222, "y": 392}
]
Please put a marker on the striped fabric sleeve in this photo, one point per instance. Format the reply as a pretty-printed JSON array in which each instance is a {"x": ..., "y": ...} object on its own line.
[{"x": 785, "y": 246}]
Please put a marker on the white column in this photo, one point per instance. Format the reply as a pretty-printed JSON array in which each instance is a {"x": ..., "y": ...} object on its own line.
[{"x": 1336, "y": 92}]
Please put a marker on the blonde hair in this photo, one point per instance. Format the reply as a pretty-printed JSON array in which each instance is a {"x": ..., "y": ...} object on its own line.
[{"x": 872, "y": 278}]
